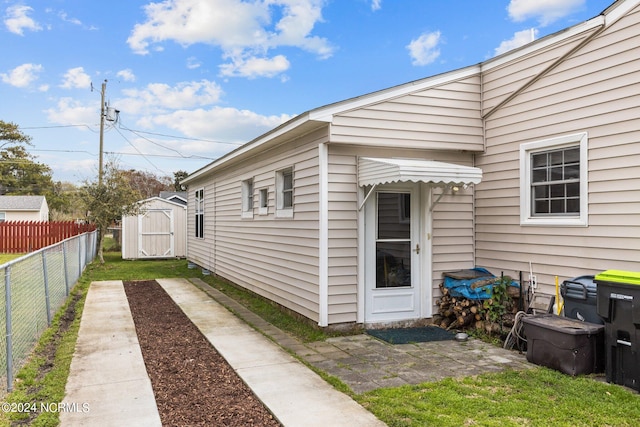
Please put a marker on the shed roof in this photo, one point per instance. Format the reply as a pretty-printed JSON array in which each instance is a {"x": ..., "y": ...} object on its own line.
[{"x": 21, "y": 203}]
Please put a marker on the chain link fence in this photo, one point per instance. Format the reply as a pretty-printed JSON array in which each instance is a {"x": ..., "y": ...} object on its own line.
[{"x": 33, "y": 288}]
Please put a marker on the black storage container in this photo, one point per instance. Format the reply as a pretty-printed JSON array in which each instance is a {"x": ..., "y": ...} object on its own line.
[
  {"x": 619, "y": 305},
  {"x": 566, "y": 345},
  {"x": 580, "y": 296}
]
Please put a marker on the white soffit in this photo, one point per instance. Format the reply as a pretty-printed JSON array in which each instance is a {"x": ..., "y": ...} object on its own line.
[{"x": 376, "y": 171}]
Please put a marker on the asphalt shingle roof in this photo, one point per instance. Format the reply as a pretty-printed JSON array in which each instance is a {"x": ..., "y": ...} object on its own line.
[{"x": 21, "y": 203}]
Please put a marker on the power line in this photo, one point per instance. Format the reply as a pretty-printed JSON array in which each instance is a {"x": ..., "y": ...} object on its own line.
[
  {"x": 60, "y": 126},
  {"x": 178, "y": 137},
  {"x": 135, "y": 148},
  {"x": 168, "y": 156},
  {"x": 136, "y": 131}
]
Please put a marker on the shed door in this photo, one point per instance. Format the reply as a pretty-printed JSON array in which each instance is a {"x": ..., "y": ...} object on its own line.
[{"x": 155, "y": 238}]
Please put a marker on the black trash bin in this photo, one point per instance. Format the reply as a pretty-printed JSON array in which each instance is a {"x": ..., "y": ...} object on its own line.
[
  {"x": 566, "y": 345},
  {"x": 580, "y": 296},
  {"x": 619, "y": 305}
]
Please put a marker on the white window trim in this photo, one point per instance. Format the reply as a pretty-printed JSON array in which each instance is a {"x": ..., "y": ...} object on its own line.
[
  {"x": 282, "y": 212},
  {"x": 199, "y": 210},
  {"x": 247, "y": 198},
  {"x": 526, "y": 149},
  {"x": 263, "y": 201}
]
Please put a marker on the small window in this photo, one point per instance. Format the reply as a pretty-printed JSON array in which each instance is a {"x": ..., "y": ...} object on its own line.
[
  {"x": 264, "y": 201},
  {"x": 3, "y": 216},
  {"x": 199, "y": 198},
  {"x": 284, "y": 196},
  {"x": 554, "y": 181},
  {"x": 247, "y": 198}
]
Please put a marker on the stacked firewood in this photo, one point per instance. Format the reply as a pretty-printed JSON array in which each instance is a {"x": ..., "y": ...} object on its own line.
[{"x": 462, "y": 313}]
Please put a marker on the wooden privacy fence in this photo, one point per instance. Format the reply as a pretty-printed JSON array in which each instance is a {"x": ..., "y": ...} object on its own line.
[{"x": 29, "y": 236}]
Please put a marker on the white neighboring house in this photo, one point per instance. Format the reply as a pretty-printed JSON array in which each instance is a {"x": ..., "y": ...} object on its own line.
[
  {"x": 24, "y": 208},
  {"x": 158, "y": 232}
]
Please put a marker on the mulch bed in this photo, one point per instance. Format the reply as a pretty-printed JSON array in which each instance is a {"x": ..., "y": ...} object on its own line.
[{"x": 193, "y": 384}]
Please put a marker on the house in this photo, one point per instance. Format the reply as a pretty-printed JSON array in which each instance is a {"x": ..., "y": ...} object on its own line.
[
  {"x": 527, "y": 162},
  {"x": 24, "y": 208},
  {"x": 158, "y": 232},
  {"x": 175, "y": 196}
]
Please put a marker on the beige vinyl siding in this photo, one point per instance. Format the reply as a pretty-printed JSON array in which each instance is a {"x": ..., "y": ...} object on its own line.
[
  {"x": 453, "y": 221},
  {"x": 274, "y": 257},
  {"x": 201, "y": 251},
  {"x": 500, "y": 81},
  {"x": 596, "y": 90},
  {"x": 440, "y": 118},
  {"x": 343, "y": 238},
  {"x": 452, "y": 232}
]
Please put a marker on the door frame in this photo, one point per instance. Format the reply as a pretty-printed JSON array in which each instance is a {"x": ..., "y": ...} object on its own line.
[{"x": 421, "y": 195}]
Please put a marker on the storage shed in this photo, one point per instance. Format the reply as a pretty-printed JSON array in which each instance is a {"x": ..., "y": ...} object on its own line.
[{"x": 158, "y": 232}]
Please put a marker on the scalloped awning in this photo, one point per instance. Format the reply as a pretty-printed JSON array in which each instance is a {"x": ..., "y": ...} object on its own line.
[{"x": 376, "y": 171}]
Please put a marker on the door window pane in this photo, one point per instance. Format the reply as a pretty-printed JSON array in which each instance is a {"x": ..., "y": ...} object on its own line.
[
  {"x": 393, "y": 264},
  {"x": 393, "y": 243},
  {"x": 394, "y": 216}
]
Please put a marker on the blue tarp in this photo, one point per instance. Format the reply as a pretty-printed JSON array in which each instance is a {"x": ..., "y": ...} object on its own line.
[{"x": 476, "y": 283}]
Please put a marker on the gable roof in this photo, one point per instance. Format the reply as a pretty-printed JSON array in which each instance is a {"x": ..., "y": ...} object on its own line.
[
  {"x": 162, "y": 200},
  {"x": 175, "y": 196},
  {"x": 21, "y": 203},
  {"x": 323, "y": 116}
]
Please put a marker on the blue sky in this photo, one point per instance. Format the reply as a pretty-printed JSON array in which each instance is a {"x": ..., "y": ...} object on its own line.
[{"x": 194, "y": 79}]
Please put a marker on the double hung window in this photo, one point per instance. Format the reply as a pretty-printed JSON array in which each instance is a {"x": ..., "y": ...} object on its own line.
[
  {"x": 199, "y": 212},
  {"x": 553, "y": 181},
  {"x": 284, "y": 193}
]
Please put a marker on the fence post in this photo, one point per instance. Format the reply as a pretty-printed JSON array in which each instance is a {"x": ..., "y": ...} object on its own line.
[
  {"x": 79, "y": 257},
  {"x": 46, "y": 287},
  {"x": 9, "y": 328},
  {"x": 64, "y": 265}
]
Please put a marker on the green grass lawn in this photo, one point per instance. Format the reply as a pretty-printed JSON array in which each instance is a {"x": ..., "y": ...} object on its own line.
[
  {"x": 8, "y": 257},
  {"x": 538, "y": 397}
]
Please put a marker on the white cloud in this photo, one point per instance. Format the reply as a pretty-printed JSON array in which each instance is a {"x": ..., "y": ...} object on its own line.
[
  {"x": 69, "y": 111},
  {"x": 424, "y": 50},
  {"x": 126, "y": 75},
  {"x": 63, "y": 15},
  {"x": 17, "y": 19},
  {"x": 376, "y": 5},
  {"x": 217, "y": 123},
  {"x": 255, "y": 67},
  {"x": 23, "y": 75},
  {"x": 242, "y": 29},
  {"x": 160, "y": 97},
  {"x": 519, "y": 39},
  {"x": 76, "y": 78},
  {"x": 193, "y": 63},
  {"x": 545, "y": 11}
]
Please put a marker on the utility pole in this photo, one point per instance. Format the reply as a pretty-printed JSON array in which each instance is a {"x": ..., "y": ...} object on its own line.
[{"x": 102, "y": 113}]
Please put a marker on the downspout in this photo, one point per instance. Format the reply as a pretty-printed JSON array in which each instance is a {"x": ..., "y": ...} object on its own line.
[{"x": 323, "y": 235}]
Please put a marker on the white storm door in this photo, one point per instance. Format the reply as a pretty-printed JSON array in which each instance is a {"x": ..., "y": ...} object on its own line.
[
  {"x": 155, "y": 234},
  {"x": 392, "y": 267}
]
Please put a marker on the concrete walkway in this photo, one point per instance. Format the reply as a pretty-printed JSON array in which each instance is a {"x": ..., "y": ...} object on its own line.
[
  {"x": 365, "y": 363},
  {"x": 109, "y": 386},
  {"x": 108, "y": 383}
]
